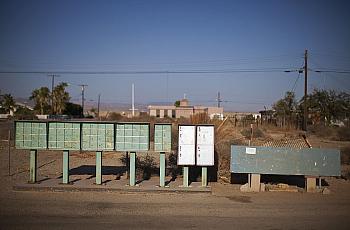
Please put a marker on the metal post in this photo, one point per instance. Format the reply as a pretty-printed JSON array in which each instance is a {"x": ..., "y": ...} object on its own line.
[
  {"x": 132, "y": 169},
  {"x": 32, "y": 167},
  {"x": 204, "y": 176},
  {"x": 185, "y": 176},
  {"x": 9, "y": 151},
  {"x": 98, "y": 167},
  {"x": 305, "y": 94},
  {"x": 65, "y": 167},
  {"x": 162, "y": 169}
]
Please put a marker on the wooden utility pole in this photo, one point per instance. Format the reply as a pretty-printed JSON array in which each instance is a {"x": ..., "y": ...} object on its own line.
[
  {"x": 305, "y": 94},
  {"x": 82, "y": 98},
  {"x": 98, "y": 105},
  {"x": 219, "y": 100}
]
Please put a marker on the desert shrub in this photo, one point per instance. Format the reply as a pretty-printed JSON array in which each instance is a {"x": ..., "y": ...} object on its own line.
[
  {"x": 345, "y": 155},
  {"x": 256, "y": 133},
  {"x": 148, "y": 166},
  {"x": 172, "y": 164},
  {"x": 200, "y": 118},
  {"x": 114, "y": 116},
  {"x": 322, "y": 131},
  {"x": 343, "y": 134}
]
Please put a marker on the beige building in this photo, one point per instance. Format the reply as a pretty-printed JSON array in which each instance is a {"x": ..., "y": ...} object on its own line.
[{"x": 184, "y": 110}]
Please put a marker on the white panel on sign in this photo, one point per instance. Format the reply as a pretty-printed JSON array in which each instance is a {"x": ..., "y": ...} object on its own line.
[
  {"x": 205, "y": 135},
  {"x": 205, "y": 145},
  {"x": 250, "y": 150},
  {"x": 187, "y": 135},
  {"x": 187, "y": 147}
]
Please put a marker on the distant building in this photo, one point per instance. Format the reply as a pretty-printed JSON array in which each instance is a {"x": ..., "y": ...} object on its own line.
[{"x": 184, "y": 110}]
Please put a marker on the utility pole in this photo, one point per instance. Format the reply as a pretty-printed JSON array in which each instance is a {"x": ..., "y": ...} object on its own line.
[
  {"x": 305, "y": 94},
  {"x": 52, "y": 87},
  {"x": 133, "y": 99},
  {"x": 98, "y": 105},
  {"x": 82, "y": 98},
  {"x": 219, "y": 100}
]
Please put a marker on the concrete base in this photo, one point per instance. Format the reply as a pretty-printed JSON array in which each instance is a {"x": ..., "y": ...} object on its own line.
[
  {"x": 255, "y": 182},
  {"x": 310, "y": 184}
]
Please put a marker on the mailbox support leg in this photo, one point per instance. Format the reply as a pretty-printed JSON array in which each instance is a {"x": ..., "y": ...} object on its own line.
[
  {"x": 65, "y": 167},
  {"x": 310, "y": 183},
  {"x": 185, "y": 176},
  {"x": 33, "y": 165},
  {"x": 162, "y": 169},
  {"x": 255, "y": 183},
  {"x": 98, "y": 167},
  {"x": 132, "y": 169},
  {"x": 204, "y": 176}
]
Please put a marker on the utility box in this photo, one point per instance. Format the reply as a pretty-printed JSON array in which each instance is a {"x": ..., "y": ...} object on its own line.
[
  {"x": 162, "y": 137},
  {"x": 132, "y": 137},
  {"x": 285, "y": 161},
  {"x": 30, "y": 135},
  {"x": 97, "y": 136},
  {"x": 64, "y": 135}
]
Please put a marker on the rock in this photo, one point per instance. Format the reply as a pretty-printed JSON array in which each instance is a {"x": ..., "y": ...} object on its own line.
[
  {"x": 244, "y": 188},
  {"x": 326, "y": 191},
  {"x": 282, "y": 186}
]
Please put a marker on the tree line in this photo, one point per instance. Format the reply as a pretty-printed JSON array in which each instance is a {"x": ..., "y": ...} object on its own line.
[
  {"x": 325, "y": 107},
  {"x": 46, "y": 102}
]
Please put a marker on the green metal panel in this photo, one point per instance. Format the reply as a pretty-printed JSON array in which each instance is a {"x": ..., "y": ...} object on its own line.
[
  {"x": 97, "y": 136},
  {"x": 132, "y": 137},
  {"x": 162, "y": 137},
  {"x": 285, "y": 161},
  {"x": 64, "y": 135},
  {"x": 30, "y": 135}
]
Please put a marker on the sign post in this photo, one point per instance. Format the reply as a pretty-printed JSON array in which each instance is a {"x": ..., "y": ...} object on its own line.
[
  {"x": 162, "y": 169},
  {"x": 132, "y": 180},
  {"x": 205, "y": 150},
  {"x": 187, "y": 148},
  {"x": 65, "y": 167},
  {"x": 98, "y": 167},
  {"x": 33, "y": 166}
]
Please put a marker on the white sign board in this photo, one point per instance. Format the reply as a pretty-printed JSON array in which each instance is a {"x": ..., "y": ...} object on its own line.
[
  {"x": 187, "y": 145},
  {"x": 205, "y": 145}
]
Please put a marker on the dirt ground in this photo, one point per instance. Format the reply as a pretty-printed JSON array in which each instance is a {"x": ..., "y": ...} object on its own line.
[{"x": 225, "y": 208}]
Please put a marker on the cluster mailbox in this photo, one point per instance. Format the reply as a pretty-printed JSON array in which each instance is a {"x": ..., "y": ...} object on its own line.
[
  {"x": 31, "y": 135},
  {"x": 162, "y": 137},
  {"x": 196, "y": 145},
  {"x": 132, "y": 137},
  {"x": 98, "y": 136},
  {"x": 64, "y": 136}
]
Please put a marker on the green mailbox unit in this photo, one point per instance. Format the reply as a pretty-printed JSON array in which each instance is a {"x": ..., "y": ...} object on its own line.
[
  {"x": 162, "y": 137},
  {"x": 64, "y": 135},
  {"x": 132, "y": 137},
  {"x": 31, "y": 135},
  {"x": 98, "y": 136}
]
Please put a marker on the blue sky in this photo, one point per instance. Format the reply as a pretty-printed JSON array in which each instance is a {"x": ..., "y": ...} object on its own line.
[{"x": 175, "y": 36}]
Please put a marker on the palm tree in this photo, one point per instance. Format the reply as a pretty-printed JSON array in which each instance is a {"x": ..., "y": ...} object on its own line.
[
  {"x": 41, "y": 97},
  {"x": 8, "y": 103},
  {"x": 60, "y": 98}
]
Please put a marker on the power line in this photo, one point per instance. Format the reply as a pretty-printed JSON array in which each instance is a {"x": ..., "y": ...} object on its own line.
[{"x": 263, "y": 70}]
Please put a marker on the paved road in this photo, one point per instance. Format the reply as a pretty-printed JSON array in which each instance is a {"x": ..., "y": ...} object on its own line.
[{"x": 73, "y": 210}]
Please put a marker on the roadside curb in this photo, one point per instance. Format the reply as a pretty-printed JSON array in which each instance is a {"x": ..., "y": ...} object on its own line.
[{"x": 71, "y": 188}]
